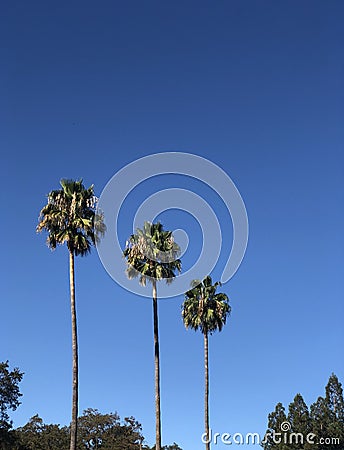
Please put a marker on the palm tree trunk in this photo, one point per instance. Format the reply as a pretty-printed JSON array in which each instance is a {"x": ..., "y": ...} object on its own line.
[
  {"x": 157, "y": 370},
  {"x": 206, "y": 393},
  {"x": 74, "y": 424}
]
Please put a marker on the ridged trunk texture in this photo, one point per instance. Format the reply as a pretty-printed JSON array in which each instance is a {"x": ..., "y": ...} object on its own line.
[
  {"x": 206, "y": 392},
  {"x": 74, "y": 424},
  {"x": 157, "y": 370}
]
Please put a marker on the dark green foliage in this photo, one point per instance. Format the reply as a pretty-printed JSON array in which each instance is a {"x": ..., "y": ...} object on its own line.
[
  {"x": 70, "y": 216},
  {"x": 320, "y": 419},
  {"x": 203, "y": 308},
  {"x": 327, "y": 416},
  {"x": 275, "y": 420},
  {"x": 95, "y": 431},
  {"x": 151, "y": 253},
  {"x": 9, "y": 400},
  {"x": 36, "y": 435},
  {"x": 323, "y": 424},
  {"x": 335, "y": 407},
  {"x": 299, "y": 419},
  {"x": 105, "y": 431}
]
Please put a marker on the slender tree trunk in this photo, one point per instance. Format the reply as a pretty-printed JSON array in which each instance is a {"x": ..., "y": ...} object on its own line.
[
  {"x": 206, "y": 393},
  {"x": 157, "y": 370},
  {"x": 74, "y": 424}
]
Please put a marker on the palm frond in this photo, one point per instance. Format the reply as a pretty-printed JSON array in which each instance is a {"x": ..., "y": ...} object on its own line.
[
  {"x": 153, "y": 253},
  {"x": 70, "y": 217},
  {"x": 203, "y": 309}
]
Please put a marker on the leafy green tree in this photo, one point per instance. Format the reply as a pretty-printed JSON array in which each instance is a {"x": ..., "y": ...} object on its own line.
[
  {"x": 106, "y": 432},
  {"x": 274, "y": 436},
  {"x": 132, "y": 433},
  {"x": 335, "y": 406},
  {"x": 93, "y": 425},
  {"x": 319, "y": 428},
  {"x": 30, "y": 435},
  {"x": 299, "y": 419},
  {"x": 9, "y": 393},
  {"x": 327, "y": 417},
  {"x": 36, "y": 435},
  {"x": 205, "y": 310},
  {"x": 152, "y": 255},
  {"x": 96, "y": 431},
  {"x": 70, "y": 217},
  {"x": 9, "y": 400},
  {"x": 319, "y": 416}
]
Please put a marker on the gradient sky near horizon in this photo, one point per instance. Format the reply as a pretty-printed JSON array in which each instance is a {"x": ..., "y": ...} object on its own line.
[{"x": 255, "y": 87}]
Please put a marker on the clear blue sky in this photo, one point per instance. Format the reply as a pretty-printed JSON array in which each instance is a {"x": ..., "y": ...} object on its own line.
[{"x": 257, "y": 88}]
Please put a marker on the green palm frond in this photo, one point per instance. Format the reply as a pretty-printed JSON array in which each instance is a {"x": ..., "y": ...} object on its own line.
[
  {"x": 152, "y": 252},
  {"x": 203, "y": 308},
  {"x": 70, "y": 217}
]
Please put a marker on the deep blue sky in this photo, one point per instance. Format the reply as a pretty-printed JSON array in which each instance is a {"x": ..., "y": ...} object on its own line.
[{"x": 257, "y": 88}]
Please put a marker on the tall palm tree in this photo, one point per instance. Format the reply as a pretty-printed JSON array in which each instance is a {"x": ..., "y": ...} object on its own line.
[
  {"x": 70, "y": 217},
  {"x": 205, "y": 310},
  {"x": 152, "y": 255}
]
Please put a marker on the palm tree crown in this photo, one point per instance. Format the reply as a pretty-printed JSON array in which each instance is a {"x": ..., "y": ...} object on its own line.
[
  {"x": 151, "y": 253},
  {"x": 203, "y": 308},
  {"x": 69, "y": 216}
]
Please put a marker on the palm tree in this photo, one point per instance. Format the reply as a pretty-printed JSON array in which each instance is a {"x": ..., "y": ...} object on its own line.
[
  {"x": 152, "y": 255},
  {"x": 205, "y": 310},
  {"x": 70, "y": 217}
]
